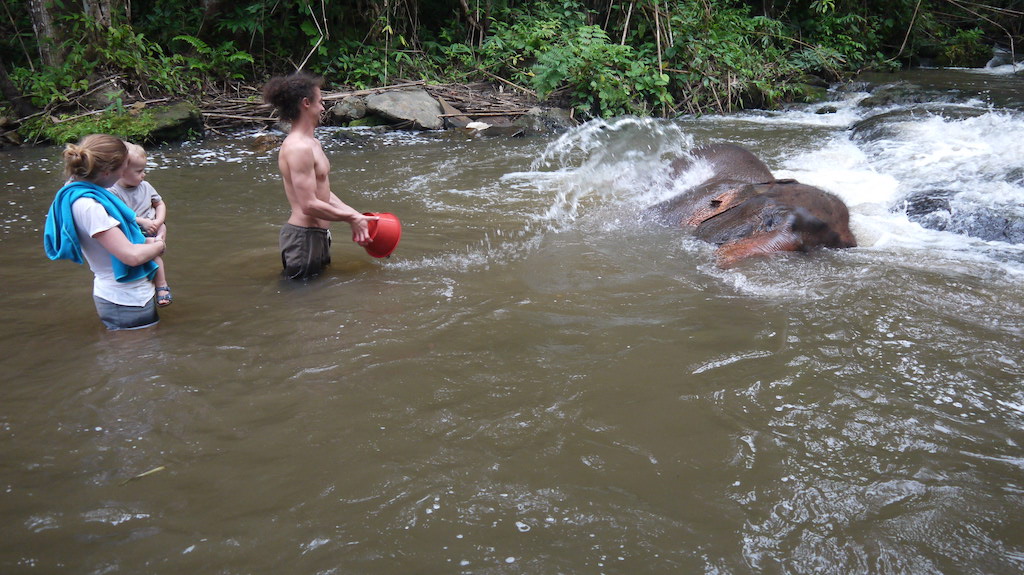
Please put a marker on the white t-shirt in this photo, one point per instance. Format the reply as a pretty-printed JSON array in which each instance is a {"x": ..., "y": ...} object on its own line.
[
  {"x": 140, "y": 198},
  {"x": 90, "y": 219}
]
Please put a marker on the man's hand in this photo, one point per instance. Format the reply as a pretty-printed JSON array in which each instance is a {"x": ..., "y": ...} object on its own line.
[{"x": 361, "y": 229}]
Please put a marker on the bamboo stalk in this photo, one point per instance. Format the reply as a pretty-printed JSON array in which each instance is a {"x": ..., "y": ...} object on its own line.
[
  {"x": 144, "y": 474},
  {"x": 625, "y": 27}
]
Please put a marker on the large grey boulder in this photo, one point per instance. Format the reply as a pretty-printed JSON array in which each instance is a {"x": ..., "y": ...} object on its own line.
[{"x": 416, "y": 108}]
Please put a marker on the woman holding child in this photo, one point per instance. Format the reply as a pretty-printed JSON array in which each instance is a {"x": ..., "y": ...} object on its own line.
[{"x": 87, "y": 220}]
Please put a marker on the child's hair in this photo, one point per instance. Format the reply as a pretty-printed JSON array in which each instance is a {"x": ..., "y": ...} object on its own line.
[
  {"x": 286, "y": 92},
  {"x": 136, "y": 151},
  {"x": 92, "y": 155}
]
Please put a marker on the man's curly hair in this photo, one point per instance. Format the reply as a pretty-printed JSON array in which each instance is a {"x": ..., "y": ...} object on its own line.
[{"x": 286, "y": 92}]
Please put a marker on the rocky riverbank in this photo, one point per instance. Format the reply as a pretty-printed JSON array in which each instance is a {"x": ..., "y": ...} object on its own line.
[
  {"x": 482, "y": 108},
  {"x": 488, "y": 109}
]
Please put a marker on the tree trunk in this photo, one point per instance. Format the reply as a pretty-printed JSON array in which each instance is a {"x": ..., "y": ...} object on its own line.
[
  {"x": 100, "y": 11},
  {"x": 43, "y": 14},
  {"x": 211, "y": 9},
  {"x": 477, "y": 17}
]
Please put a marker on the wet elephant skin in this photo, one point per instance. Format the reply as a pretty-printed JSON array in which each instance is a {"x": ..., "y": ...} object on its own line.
[
  {"x": 733, "y": 168},
  {"x": 781, "y": 216},
  {"x": 744, "y": 210}
]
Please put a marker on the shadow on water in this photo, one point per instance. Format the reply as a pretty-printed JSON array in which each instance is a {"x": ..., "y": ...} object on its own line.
[{"x": 539, "y": 380}]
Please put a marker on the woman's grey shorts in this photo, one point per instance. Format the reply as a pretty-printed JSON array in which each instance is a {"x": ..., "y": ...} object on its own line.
[{"x": 116, "y": 316}]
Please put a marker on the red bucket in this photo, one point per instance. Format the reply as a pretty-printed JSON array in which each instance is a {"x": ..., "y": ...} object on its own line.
[{"x": 384, "y": 234}]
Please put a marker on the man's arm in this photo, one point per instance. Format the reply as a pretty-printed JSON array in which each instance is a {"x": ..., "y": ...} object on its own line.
[
  {"x": 298, "y": 169},
  {"x": 360, "y": 228}
]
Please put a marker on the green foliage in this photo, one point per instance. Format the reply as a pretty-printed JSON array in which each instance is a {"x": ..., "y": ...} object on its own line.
[
  {"x": 843, "y": 42},
  {"x": 162, "y": 20},
  {"x": 722, "y": 58},
  {"x": 364, "y": 66},
  {"x": 553, "y": 50},
  {"x": 117, "y": 52},
  {"x": 604, "y": 79},
  {"x": 665, "y": 58},
  {"x": 967, "y": 48},
  {"x": 224, "y": 61}
]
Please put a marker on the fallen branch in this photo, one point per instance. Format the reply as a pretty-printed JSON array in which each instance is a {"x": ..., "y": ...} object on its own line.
[
  {"x": 513, "y": 84},
  {"x": 340, "y": 95},
  {"x": 219, "y": 116},
  {"x": 481, "y": 114}
]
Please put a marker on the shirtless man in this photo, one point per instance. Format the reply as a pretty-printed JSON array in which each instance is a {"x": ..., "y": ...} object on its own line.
[{"x": 305, "y": 239}]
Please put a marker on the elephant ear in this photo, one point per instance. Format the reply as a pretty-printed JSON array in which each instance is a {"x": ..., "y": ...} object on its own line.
[
  {"x": 721, "y": 203},
  {"x": 782, "y": 239}
]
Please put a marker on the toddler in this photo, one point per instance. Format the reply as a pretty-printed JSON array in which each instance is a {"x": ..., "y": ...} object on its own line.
[{"x": 150, "y": 211}]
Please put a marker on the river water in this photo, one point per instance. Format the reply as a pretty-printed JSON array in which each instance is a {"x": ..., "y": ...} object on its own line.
[{"x": 540, "y": 379}]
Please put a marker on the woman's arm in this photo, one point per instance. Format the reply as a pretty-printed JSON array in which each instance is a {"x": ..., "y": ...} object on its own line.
[{"x": 115, "y": 242}]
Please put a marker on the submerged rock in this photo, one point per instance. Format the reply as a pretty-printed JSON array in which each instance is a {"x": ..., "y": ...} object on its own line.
[
  {"x": 903, "y": 93},
  {"x": 939, "y": 210},
  {"x": 888, "y": 125},
  {"x": 546, "y": 120},
  {"x": 266, "y": 142}
]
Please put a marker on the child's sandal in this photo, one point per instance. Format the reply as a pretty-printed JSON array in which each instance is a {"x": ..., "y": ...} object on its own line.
[{"x": 163, "y": 296}]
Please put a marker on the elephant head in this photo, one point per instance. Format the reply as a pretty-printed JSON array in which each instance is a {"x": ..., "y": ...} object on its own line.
[{"x": 744, "y": 210}]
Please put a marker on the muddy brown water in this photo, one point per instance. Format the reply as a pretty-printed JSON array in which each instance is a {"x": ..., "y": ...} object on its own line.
[{"x": 538, "y": 381}]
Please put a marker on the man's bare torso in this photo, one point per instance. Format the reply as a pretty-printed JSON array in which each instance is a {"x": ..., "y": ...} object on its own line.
[{"x": 304, "y": 168}]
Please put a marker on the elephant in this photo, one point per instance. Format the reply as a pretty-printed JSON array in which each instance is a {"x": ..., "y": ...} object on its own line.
[{"x": 746, "y": 212}]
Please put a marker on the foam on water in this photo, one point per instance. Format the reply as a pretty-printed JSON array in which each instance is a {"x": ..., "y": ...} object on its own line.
[{"x": 842, "y": 112}]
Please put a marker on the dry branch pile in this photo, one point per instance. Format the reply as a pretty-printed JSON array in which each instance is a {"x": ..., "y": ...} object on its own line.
[{"x": 244, "y": 106}]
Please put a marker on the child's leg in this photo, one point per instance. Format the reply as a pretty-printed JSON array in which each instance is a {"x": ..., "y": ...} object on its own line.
[
  {"x": 161, "y": 274},
  {"x": 163, "y": 290}
]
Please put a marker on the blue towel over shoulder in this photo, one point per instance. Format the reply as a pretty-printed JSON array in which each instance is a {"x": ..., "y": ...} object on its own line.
[{"x": 60, "y": 237}]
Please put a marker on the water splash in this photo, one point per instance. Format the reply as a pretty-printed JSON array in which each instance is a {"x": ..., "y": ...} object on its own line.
[{"x": 602, "y": 161}]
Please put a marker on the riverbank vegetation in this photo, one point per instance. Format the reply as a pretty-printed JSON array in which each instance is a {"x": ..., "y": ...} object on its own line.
[{"x": 70, "y": 62}]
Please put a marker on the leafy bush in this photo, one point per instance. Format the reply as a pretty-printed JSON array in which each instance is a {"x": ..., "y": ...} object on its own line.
[
  {"x": 365, "y": 66},
  {"x": 967, "y": 48},
  {"x": 224, "y": 61},
  {"x": 720, "y": 58},
  {"x": 117, "y": 52},
  {"x": 553, "y": 50},
  {"x": 604, "y": 79}
]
